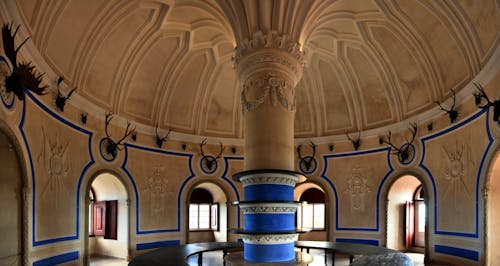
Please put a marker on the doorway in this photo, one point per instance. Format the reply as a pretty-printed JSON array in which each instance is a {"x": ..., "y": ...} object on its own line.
[
  {"x": 493, "y": 215},
  {"x": 108, "y": 218},
  {"x": 406, "y": 215},
  {"x": 11, "y": 204}
]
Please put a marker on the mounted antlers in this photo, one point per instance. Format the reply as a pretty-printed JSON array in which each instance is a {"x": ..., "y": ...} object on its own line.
[
  {"x": 160, "y": 140},
  {"x": 406, "y": 151},
  {"x": 61, "y": 100},
  {"x": 481, "y": 97},
  {"x": 112, "y": 146},
  {"x": 210, "y": 160},
  {"x": 307, "y": 160},
  {"x": 356, "y": 142},
  {"x": 23, "y": 74},
  {"x": 452, "y": 113}
]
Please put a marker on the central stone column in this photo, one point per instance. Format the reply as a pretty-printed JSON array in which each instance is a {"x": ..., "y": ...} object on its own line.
[{"x": 268, "y": 67}]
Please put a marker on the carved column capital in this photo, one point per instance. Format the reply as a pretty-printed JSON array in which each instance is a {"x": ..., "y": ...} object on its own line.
[{"x": 268, "y": 67}]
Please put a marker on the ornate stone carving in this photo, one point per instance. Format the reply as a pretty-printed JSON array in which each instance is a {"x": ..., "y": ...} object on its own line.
[
  {"x": 268, "y": 207},
  {"x": 57, "y": 164},
  {"x": 357, "y": 188},
  {"x": 157, "y": 187},
  {"x": 269, "y": 85},
  {"x": 276, "y": 179},
  {"x": 270, "y": 40},
  {"x": 455, "y": 170},
  {"x": 269, "y": 239}
]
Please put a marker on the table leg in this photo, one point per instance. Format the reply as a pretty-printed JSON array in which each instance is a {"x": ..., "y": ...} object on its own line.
[
  {"x": 350, "y": 259},
  {"x": 200, "y": 258},
  {"x": 333, "y": 258}
]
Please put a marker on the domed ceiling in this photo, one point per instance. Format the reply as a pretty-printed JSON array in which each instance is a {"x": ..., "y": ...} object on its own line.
[{"x": 370, "y": 63}]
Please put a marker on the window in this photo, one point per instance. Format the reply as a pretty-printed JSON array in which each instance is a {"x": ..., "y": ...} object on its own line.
[
  {"x": 203, "y": 213},
  {"x": 311, "y": 215}
]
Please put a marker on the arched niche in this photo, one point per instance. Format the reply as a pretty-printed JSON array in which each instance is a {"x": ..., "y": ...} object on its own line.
[
  {"x": 218, "y": 208},
  {"x": 113, "y": 191},
  {"x": 492, "y": 229},
  {"x": 13, "y": 247},
  {"x": 313, "y": 189}
]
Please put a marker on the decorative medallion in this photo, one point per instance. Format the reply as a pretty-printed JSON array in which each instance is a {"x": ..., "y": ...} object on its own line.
[
  {"x": 103, "y": 150},
  {"x": 271, "y": 86}
]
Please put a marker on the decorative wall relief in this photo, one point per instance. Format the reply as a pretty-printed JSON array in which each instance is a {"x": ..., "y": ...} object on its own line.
[
  {"x": 455, "y": 171},
  {"x": 355, "y": 179},
  {"x": 7, "y": 97},
  {"x": 160, "y": 177},
  {"x": 157, "y": 186},
  {"x": 357, "y": 189},
  {"x": 55, "y": 158},
  {"x": 455, "y": 167}
]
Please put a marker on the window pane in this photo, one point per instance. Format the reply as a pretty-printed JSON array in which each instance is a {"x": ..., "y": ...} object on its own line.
[
  {"x": 421, "y": 218},
  {"x": 319, "y": 216},
  {"x": 193, "y": 216},
  {"x": 204, "y": 216},
  {"x": 307, "y": 216}
]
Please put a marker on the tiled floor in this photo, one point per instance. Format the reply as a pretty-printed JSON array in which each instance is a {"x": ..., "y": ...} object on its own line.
[
  {"x": 107, "y": 261},
  {"x": 214, "y": 258}
]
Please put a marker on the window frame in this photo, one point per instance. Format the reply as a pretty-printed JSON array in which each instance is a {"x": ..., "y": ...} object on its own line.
[{"x": 301, "y": 211}]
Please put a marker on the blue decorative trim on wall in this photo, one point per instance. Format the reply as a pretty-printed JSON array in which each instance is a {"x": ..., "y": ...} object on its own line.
[
  {"x": 191, "y": 175},
  {"x": 158, "y": 244},
  {"x": 6, "y": 104},
  {"x": 458, "y": 252},
  {"x": 478, "y": 176},
  {"x": 323, "y": 175},
  {"x": 30, "y": 159},
  {"x": 225, "y": 178},
  {"x": 59, "y": 259},
  {"x": 372, "y": 242}
]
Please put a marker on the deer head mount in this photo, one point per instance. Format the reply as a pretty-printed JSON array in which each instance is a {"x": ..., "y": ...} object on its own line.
[
  {"x": 452, "y": 113},
  {"x": 23, "y": 75},
  {"x": 61, "y": 100},
  {"x": 210, "y": 161},
  {"x": 111, "y": 147},
  {"x": 159, "y": 140},
  {"x": 306, "y": 160},
  {"x": 406, "y": 151},
  {"x": 483, "y": 102},
  {"x": 356, "y": 142}
]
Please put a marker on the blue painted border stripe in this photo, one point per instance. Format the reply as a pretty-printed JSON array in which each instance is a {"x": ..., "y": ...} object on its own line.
[
  {"x": 191, "y": 175},
  {"x": 159, "y": 244},
  {"x": 371, "y": 242},
  {"x": 323, "y": 175},
  {"x": 57, "y": 259},
  {"x": 459, "y": 252},
  {"x": 422, "y": 165}
]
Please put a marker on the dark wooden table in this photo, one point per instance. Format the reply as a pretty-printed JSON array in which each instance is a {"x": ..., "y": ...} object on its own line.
[
  {"x": 350, "y": 249},
  {"x": 177, "y": 255}
]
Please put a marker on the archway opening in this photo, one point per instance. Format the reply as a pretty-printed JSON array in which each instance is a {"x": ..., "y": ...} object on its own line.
[
  {"x": 207, "y": 214},
  {"x": 108, "y": 220},
  {"x": 313, "y": 213},
  {"x": 406, "y": 215},
  {"x": 493, "y": 215},
  {"x": 11, "y": 204}
]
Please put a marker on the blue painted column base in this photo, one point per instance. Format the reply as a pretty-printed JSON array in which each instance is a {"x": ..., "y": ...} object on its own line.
[{"x": 269, "y": 253}]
